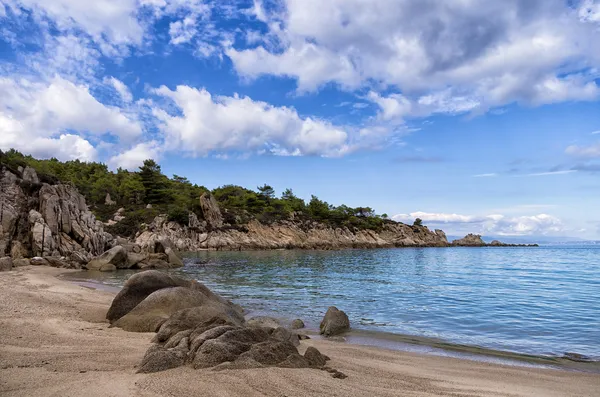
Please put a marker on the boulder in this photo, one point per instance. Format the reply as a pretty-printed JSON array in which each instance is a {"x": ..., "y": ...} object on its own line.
[
  {"x": 139, "y": 286},
  {"x": 108, "y": 200},
  {"x": 152, "y": 312},
  {"x": 57, "y": 262},
  {"x": 201, "y": 334},
  {"x": 228, "y": 346},
  {"x": 335, "y": 322},
  {"x": 285, "y": 335},
  {"x": 297, "y": 324},
  {"x": 153, "y": 263},
  {"x": 158, "y": 358},
  {"x": 116, "y": 256},
  {"x": 314, "y": 357},
  {"x": 29, "y": 175},
  {"x": 211, "y": 211},
  {"x": 21, "y": 262},
  {"x": 174, "y": 259},
  {"x": 263, "y": 321},
  {"x": 6, "y": 264},
  {"x": 270, "y": 352},
  {"x": 133, "y": 259},
  {"x": 207, "y": 315},
  {"x": 38, "y": 261},
  {"x": 107, "y": 267}
]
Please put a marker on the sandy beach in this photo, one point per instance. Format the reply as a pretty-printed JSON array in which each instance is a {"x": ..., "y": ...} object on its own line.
[{"x": 55, "y": 342}]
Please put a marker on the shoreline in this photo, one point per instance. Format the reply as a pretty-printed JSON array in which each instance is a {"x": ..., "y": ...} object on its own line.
[
  {"x": 408, "y": 343},
  {"x": 56, "y": 342}
]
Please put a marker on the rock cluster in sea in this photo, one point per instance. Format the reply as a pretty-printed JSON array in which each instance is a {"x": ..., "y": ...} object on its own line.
[{"x": 195, "y": 326}]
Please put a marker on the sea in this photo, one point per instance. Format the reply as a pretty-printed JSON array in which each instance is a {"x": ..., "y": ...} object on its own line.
[{"x": 538, "y": 303}]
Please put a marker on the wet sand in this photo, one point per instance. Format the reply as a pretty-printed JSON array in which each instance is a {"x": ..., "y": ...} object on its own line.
[{"x": 55, "y": 342}]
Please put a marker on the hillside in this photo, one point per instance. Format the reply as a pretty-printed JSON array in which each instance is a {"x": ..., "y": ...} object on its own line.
[{"x": 146, "y": 206}]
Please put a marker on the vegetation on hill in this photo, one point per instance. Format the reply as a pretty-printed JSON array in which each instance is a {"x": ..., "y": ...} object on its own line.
[{"x": 177, "y": 196}]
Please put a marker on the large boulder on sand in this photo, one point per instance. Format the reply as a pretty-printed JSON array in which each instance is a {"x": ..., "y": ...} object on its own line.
[
  {"x": 335, "y": 322},
  {"x": 153, "y": 311},
  {"x": 142, "y": 284},
  {"x": 116, "y": 256}
]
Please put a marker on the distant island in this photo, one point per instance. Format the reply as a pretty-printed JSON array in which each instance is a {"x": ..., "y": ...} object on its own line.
[{"x": 77, "y": 210}]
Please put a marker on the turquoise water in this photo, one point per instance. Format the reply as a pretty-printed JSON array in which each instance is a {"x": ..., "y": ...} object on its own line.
[{"x": 541, "y": 301}]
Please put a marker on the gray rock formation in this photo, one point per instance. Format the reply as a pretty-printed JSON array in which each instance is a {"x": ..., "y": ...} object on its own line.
[
  {"x": 470, "y": 240},
  {"x": 286, "y": 235},
  {"x": 335, "y": 322},
  {"x": 211, "y": 211},
  {"x": 108, "y": 200},
  {"x": 38, "y": 219},
  {"x": 200, "y": 328},
  {"x": 114, "y": 258}
]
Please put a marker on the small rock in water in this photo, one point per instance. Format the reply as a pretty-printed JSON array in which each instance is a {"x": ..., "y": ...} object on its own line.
[
  {"x": 335, "y": 322},
  {"x": 576, "y": 357}
]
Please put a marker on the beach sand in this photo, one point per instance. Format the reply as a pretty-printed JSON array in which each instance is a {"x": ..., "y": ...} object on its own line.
[{"x": 55, "y": 342}]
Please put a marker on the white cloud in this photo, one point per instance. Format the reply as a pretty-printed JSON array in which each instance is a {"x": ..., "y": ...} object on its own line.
[
  {"x": 493, "y": 224},
  {"x": 213, "y": 124},
  {"x": 38, "y": 117},
  {"x": 596, "y": 132},
  {"x": 592, "y": 151},
  {"x": 491, "y": 175},
  {"x": 437, "y": 217},
  {"x": 134, "y": 157},
  {"x": 549, "y": 173},
  {"x": 120, "y": 87},
  {"x": 449, "y": 57},
  {"x": 108, "y": 22},
  {"x": 589, "y": 11}
]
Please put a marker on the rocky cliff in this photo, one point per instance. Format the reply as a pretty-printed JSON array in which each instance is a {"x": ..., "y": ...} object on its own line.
[
  {"x": 287, "y": 235},
  {"x": 41, "y": 219}
]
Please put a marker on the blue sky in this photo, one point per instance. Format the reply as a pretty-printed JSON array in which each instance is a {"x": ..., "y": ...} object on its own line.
[{"x": 476, "y": 116}]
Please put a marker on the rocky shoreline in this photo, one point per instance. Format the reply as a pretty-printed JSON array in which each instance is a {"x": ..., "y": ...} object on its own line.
[{"x": 49, "y": 223}]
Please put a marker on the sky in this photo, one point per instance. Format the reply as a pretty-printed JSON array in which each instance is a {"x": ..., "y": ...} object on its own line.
[{"x": 476, "y": 116}]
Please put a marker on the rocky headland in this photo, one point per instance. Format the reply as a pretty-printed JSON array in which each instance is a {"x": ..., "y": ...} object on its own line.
[{"x": 45, "y": 222}]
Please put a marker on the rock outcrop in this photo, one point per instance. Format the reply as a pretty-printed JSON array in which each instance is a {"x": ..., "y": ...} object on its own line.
[
  {"x": 211, "y": 211},
  {"x": 287, "y": 235},
  {"x": 197, "y": 327},
  {"x": 470, "y": 240},
  {"x": 41, "y": 219},
  {"x": 335, "y": 322}
]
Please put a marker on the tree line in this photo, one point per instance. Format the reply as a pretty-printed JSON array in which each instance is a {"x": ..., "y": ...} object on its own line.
[{"x": 178, "y": 197}]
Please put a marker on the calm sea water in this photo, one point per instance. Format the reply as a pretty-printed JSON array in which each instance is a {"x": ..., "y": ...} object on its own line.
[{"x": 541, "y": 301}]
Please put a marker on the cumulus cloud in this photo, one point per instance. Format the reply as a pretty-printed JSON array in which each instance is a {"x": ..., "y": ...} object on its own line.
[
  {"x": 449, "y": 57},
  {"x": 59, "y": 116},
  {"x": 592, "y": 151},
  {"x": 203, "y": 123},
  {"x": 108, "y": 22},
  {"x": 494, "y": 224},
  {"x": 133, "y": 158}
]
